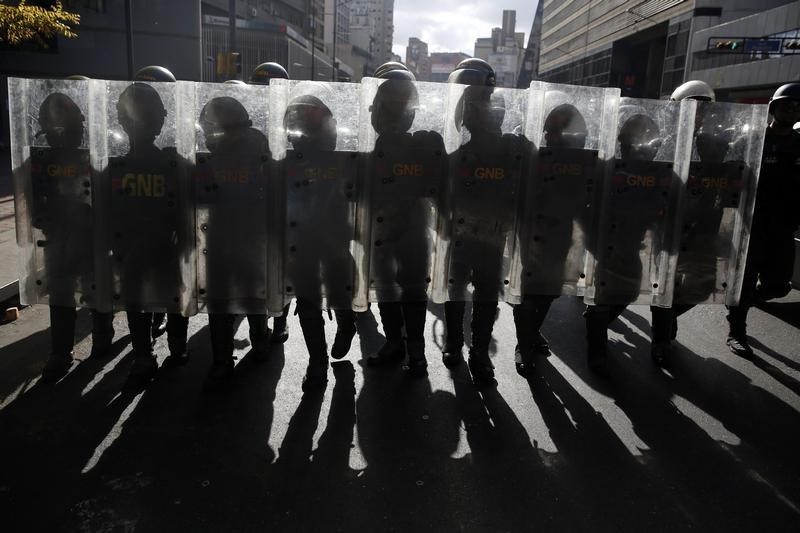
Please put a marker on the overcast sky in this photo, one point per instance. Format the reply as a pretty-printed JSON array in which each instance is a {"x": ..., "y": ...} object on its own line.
[{"x": 453, "y": 25}]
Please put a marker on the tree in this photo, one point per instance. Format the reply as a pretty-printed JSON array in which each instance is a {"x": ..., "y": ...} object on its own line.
[{"x": 22, "y": 23}]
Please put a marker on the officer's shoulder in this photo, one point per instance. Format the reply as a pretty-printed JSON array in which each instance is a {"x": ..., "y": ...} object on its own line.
[{"x": 427, "y": 138}]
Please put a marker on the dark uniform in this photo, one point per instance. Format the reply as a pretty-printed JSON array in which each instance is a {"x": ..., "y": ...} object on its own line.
[
  {"x": 262, "y": 75},
  {"x": 564, "y": 193},
  {"x": 406, "y": 171},
  {"x": 62, "y": 210},
  {"x": 150, "y": 231},
  {"x": 481, "y": 206},
  {"x": 320, "y": 190},
  {"x": 770, "y": 257},
  {"x": 231, "y": 186},
  {"x": 638, "y": 206},
  {"x": 711, "y": 199}
]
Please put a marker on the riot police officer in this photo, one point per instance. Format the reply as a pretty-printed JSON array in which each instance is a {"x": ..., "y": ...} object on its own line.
[
  {"x": 231, "y": 185},
  {"x": 61, "y": 211},
  {"x": 402, "y": 208},
  {"x": 664, "y": 321},
  {"x": 481, "y": 212},
  {"x": 160, "y": 74},
  {"x": 562, "y": 205},
  {"x": 262, "y": 75},
  {"x": 319, "y": 197},
  {"x": 618, "y": 275},
  {"x": 151, "y": 230},
  {"x": 770, "y": 256}
]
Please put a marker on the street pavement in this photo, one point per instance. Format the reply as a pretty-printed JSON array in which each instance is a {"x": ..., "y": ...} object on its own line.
[{"x": 711, "y": 444}]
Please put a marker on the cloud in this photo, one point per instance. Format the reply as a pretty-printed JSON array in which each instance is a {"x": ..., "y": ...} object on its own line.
[{"x": 452, "y": 26}]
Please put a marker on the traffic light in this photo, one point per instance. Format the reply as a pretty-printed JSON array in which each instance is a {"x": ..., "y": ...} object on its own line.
[
  {"x": 229, "y": 64},
  {"x": 729, "y": 45}
]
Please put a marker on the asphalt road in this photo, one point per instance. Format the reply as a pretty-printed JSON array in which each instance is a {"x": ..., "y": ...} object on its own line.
[{"x": 709, "y": 445}]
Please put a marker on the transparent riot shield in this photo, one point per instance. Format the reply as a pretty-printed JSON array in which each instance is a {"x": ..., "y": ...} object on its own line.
[
  {"x": 139, "y": 149},
  {"x": 717, "y": 204},
  {"x": 53, "y": 190},
  {"x": 314, "y": 135},
  {"x": 633, "y": 255},
  {"x": 573, "y": 128},
  {"x": 487, "y": 154},
  {"x": 232, "y": 164},
  {"x": 402, "y": 128}
]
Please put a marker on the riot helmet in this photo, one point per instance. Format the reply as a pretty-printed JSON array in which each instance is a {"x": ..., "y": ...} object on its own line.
[
  {"x": 473, "y": 71},
  {"x": 784, "y": 105},
  {"x": 265, "y": 72},
  {"x": 480, "y": 110},
  {"x": 309, "y": 123},
  {"x": 639, "y": 138},
  {"x": 389, "y": 66},
  {"x": 141, "y": 113},
  {"x": 713, "y": 138},
  {"x": 565, "y": 127},
  {"x": 78, "y": 77},
  {"x": 694, "y": 90},
  {"x": 234, "y": 82},
  {"x": 154, "y": 73},
  {"x": 221, "y": 119},
  {"x": 395, "y": 105},
  {"x": 61, "y": 121}
]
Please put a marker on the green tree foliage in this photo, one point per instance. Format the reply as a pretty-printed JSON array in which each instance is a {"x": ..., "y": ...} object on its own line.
[{"x": 22, "y": 23}]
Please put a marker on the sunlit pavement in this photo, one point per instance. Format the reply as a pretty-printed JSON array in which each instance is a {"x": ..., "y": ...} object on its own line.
[{"x": 709, "y": 445}]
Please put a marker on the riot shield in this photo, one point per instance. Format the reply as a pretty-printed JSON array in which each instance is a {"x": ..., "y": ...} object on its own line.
[
  {"x": 314, "y": 134},
  {"x": 717, "y": 204},
  {"x": 573, "y": 128},
  {"x": 144, "y": 184},
  {"x": 53, "y": 191},
  {"x": 488, "y": 153},
  {"x": 232, "y": 163},
  {"x": 633, "y": 254},
  {"x": 401, "y": 139}
]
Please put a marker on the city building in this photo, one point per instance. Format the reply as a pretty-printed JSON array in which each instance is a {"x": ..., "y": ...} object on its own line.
[
  {"x": 417, "y": 59},
  {"x": 443, "y": 63},
  {"x": 529, "y": 70},
  {"x": 647, "y": 48},
  {"x": 373, "y": 20},
  {"x": 504, "y": 50}
]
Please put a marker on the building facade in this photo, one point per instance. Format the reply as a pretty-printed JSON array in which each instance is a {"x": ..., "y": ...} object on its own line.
[
  {"x": 417, "y": 59},
  {"x": 647, "y": 48},
  {"x": 504, "y": 50},
  {"x": 529, "y": 70},
  {"x": 443, "y": 63}
]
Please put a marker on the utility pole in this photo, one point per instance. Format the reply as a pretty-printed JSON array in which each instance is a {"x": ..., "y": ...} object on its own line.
[
  {"x": 231, "y": 31},
  {"x": 313, "y": 38}
]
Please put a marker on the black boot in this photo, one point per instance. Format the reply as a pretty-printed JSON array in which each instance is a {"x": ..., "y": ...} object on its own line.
[
  {"x": 313, "y": 327},
  {"x": 394, "y": 349},
  {"x": 454, "y": 334},
  {"x": 102, "y": 333},
  {"x": 221, "y": 372},
  {"x": 144, "y": 365},
  {"x": 159, "y": 325},
  {"x": 62, "y": 339},
  {"x": 259, "y": 336},
  {"x": 737, "y": 333},
  {"x": 177, "y": 332},
  {"x": 523, "y": 351},
  {"x": 597, "y": 320},
  {"x": 417, "y": 365},
  {"x": 662, "y": 326},
  {"x": 345, "y": 331},
  {"x": 280, "y": 331},
  {"x": 541, "y": 306},
  {"x": 480, "y": 365}
]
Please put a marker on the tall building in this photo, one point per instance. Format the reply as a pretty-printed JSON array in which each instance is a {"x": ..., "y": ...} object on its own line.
[
  {"x": 529, "y": 70},
  {"x": 504, "y": 50},
  {"x": 647, "y": 48},
  {"x": 417, "y": 59},
  {"x": 378, "y": 17}
]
